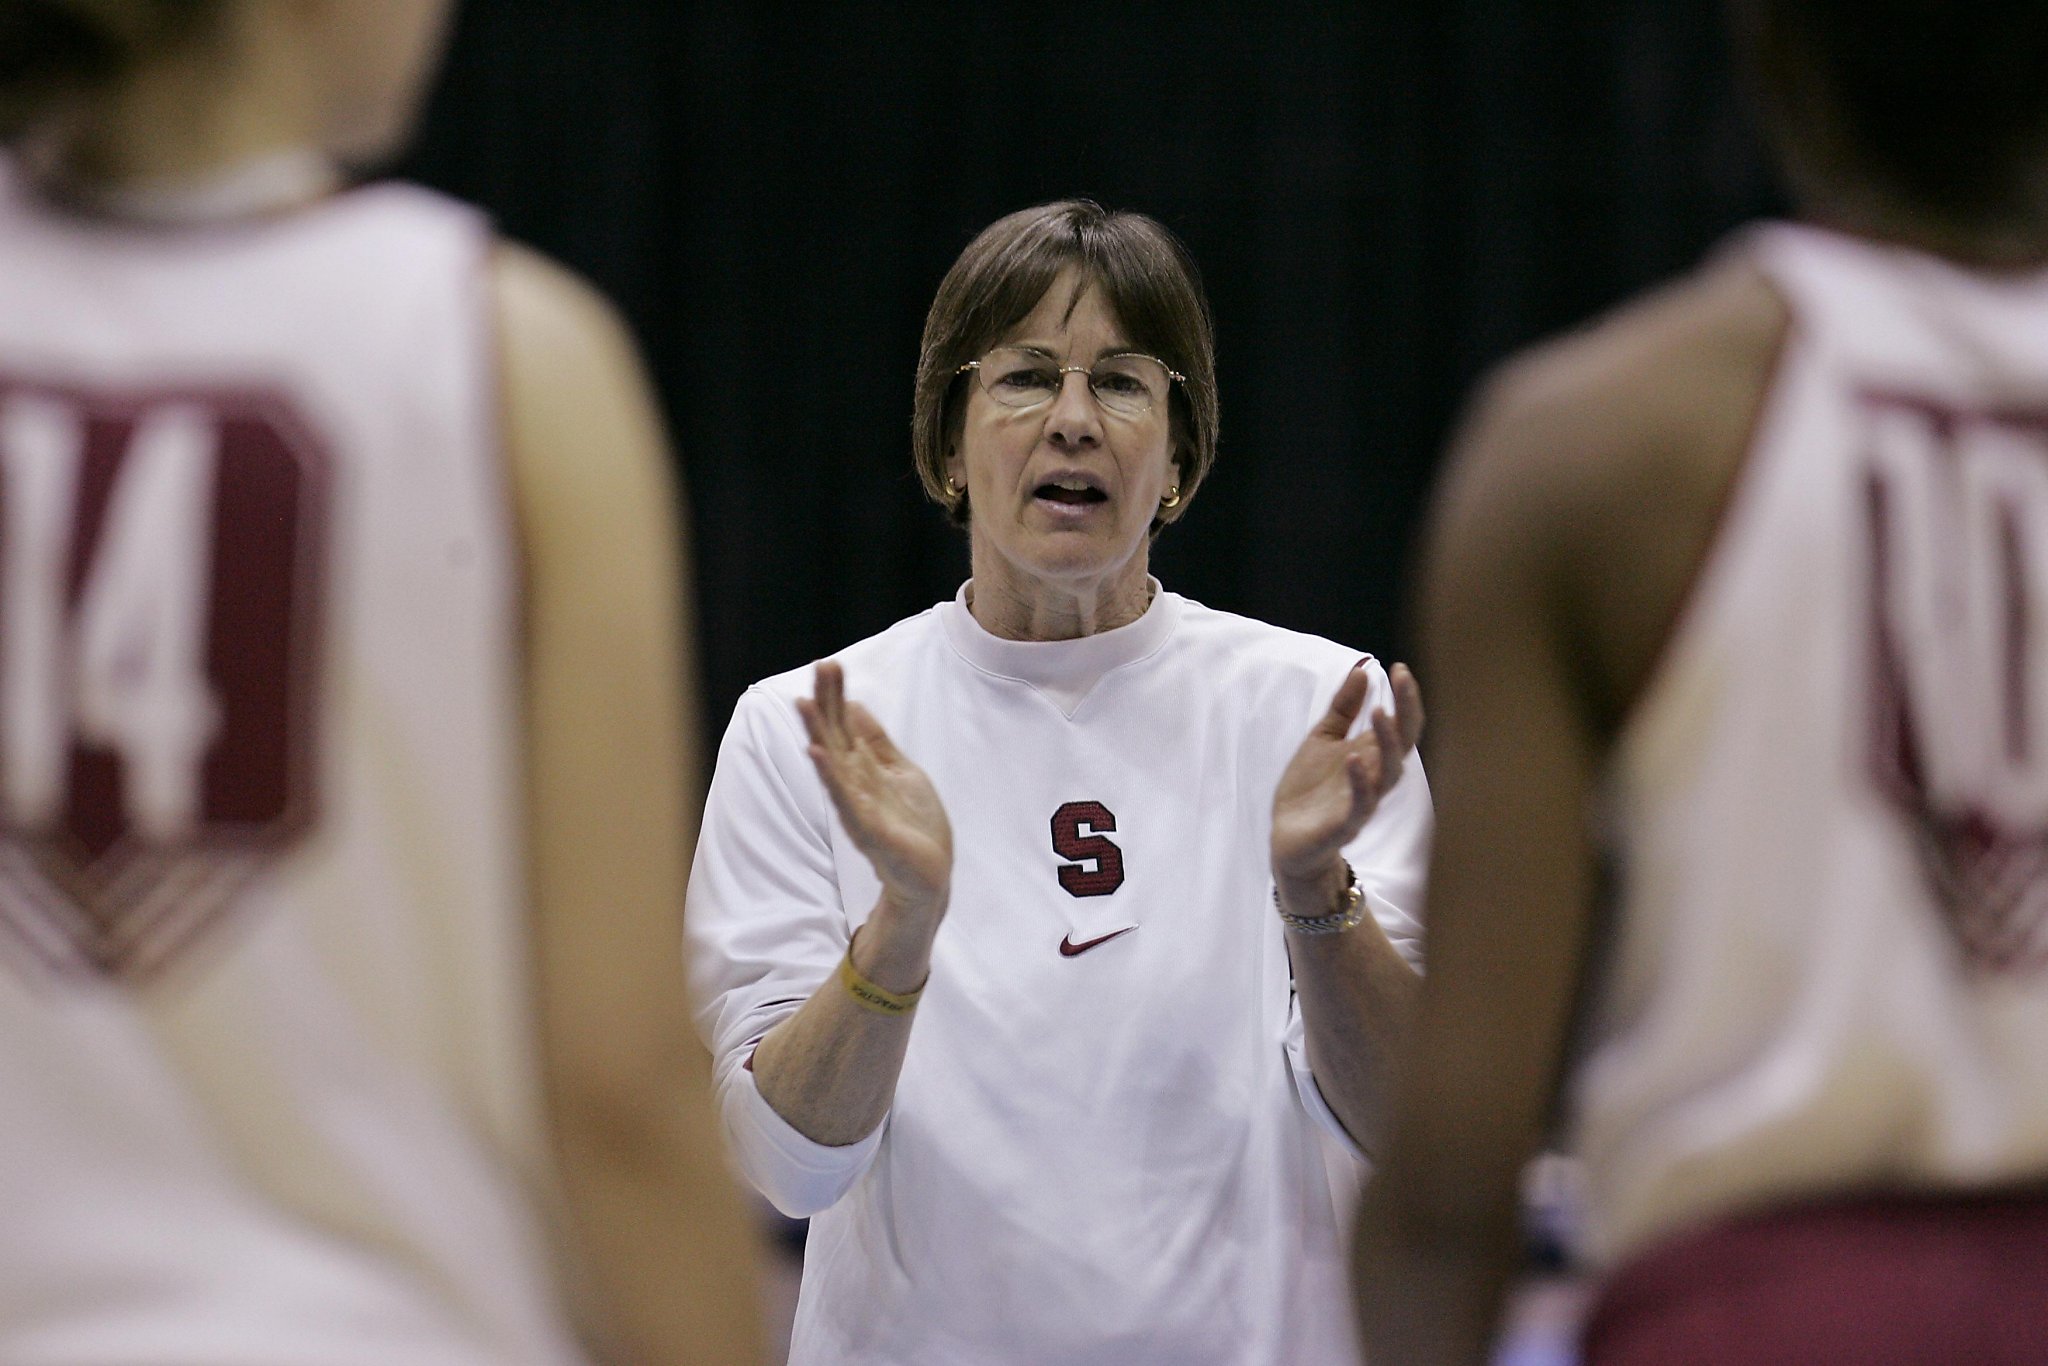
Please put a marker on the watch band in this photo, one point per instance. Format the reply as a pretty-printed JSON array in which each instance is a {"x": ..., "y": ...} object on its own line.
[{"x": 1350, "y": 910}]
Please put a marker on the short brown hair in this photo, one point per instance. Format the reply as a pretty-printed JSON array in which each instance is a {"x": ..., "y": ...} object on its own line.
[{"x": 1151, "y": 285}]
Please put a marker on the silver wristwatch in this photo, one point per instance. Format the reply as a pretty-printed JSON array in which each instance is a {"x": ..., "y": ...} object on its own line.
[{"x": 1350, "y": 910}]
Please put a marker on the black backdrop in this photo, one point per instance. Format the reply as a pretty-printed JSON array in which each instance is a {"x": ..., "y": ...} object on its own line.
[{"x": 1384, "y": 197}]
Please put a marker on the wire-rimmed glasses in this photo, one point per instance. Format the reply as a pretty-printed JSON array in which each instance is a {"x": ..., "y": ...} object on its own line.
[{"x": 1127, "y": 383}]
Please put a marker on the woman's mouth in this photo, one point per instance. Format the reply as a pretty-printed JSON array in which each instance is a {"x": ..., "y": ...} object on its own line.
[{"x": 1070, "y": 491}]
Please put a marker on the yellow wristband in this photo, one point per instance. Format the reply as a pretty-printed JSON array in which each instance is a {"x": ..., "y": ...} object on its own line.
[{"x": 873, "y": 997}]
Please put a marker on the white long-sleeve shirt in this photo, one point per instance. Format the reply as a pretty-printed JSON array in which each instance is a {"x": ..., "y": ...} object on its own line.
[{"x": 1116, "y": 1155}]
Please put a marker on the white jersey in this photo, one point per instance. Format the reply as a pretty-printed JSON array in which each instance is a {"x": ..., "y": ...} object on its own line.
[
  {"x": 1831, "y": 963},
  {"x": 264, "y": 1069},
  {"x": 1105, "y": 1146}
]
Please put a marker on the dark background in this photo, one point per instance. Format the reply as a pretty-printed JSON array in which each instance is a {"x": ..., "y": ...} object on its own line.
[{"x": 1385, "y": 198}]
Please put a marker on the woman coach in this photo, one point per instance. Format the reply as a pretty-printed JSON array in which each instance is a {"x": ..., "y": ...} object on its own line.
[{"x": 1057, "y": 974}]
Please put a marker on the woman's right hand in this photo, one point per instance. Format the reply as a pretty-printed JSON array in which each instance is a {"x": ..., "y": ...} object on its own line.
[{"x": 887, "y": 804}]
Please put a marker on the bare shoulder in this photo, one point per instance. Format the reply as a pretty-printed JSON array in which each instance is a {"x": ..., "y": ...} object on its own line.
[
  {"x": 1594, "y": 467},
  {"x": 1640, "y": 392},
  {"x": 548, "y": 312},
  {"x": 581, "y": 423}
]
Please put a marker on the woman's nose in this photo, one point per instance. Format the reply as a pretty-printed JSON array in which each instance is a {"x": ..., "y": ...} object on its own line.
[{"x": 1075, "y": 419}]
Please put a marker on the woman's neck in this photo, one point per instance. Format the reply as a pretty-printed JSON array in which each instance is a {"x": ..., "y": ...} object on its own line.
[
  {"x": 192, "y": 116},
  {"x": 1995, "y": 247},
  {"x": 263, "y": 185},
  {"x": 1015, "y": 605}
]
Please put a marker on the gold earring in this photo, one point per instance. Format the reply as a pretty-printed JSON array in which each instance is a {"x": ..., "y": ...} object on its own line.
[
  {"x": 1172, "y": 498},
  {"x": 952, "y": 489}
]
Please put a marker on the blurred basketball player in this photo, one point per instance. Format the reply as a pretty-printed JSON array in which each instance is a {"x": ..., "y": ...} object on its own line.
[
  {"x": 343, "y": 816},
  {"x": 1759, "y": 567}
]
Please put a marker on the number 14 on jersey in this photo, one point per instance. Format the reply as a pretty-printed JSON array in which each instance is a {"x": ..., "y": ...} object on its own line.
[{"x": 155, "y": 610}]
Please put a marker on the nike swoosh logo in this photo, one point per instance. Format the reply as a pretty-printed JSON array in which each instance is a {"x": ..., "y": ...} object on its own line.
[{"x": 1068, "y": 948}]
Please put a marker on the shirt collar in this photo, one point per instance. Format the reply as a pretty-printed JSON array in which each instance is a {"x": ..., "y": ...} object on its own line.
[{"x": 1064, "y": 671}]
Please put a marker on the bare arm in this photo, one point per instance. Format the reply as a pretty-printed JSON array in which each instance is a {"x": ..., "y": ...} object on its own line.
[
  {"x": 1510, "y": 873},
  {"x": 830, "y": 1070},
  {"x": 1580, "y": 504},
  {"x": 1357, "y": 992},
  {"x": 668, "y": 1249}
]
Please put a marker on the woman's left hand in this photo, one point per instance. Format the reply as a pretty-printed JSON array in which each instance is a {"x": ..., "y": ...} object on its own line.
[{"x": 1334, "y": 783}]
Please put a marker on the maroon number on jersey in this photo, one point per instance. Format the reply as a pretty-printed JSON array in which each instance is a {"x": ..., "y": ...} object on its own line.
[
  {"x": 1957, "y": 506},
  {"x": 1069, "y": 842},
  {"x": 155, "y": 740}
]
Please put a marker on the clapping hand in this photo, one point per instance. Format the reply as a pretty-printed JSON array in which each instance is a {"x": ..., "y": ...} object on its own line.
[
  {"x": 887, "y": 804},
  {"x": 1334, "y": 783}
]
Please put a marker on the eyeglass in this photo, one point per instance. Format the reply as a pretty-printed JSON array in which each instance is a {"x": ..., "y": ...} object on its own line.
[{"x": 1127, "y": 384}]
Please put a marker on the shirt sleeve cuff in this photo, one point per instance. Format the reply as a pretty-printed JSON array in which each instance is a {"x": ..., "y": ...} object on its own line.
[
  {"x": 1319, "y": 1111},
  {"x": 800, "y": 1177}
]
